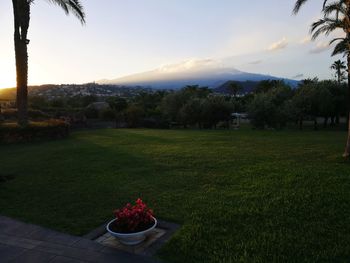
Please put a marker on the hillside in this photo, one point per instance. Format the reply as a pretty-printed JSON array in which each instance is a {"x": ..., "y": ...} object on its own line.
[
  {"x": 52, "y": 91},
  {"x": 191, "y": 73}
]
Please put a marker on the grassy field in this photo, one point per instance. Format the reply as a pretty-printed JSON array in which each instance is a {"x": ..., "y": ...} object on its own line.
[{"x": 241, "y": 196}]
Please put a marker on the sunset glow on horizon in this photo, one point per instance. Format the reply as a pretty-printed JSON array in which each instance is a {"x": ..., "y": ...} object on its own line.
[{"x": 124, "y": 38}]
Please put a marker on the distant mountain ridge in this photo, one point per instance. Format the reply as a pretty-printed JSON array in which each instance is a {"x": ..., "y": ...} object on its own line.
[{"x": 178, "y": 76}]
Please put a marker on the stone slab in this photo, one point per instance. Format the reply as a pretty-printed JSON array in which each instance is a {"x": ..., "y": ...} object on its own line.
[
  {"x": 45, "y": 245},
  {"x": 140, "y": 249}
]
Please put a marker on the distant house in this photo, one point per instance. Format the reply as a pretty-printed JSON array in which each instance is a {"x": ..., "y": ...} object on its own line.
[
  {"x": 237, "y": 118},
  {"x": 239, "y": 115}
]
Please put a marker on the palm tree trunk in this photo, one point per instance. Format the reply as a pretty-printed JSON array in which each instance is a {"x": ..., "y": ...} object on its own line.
[
  {"x": 22, "y": 81},
  {"x": 21, "y": 23},
  {"x": 347, "y": 148}
]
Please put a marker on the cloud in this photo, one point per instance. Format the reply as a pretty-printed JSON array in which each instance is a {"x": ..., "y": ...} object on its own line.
[
  {"x": 319, "y": 48},
  {"x": 191, "y": 64},
  {"x": 281, "y": 44},
  {"x": 298, "y": 76},
  {"x": 255, "y": 62},
  {"x": 305, "y": 40}
]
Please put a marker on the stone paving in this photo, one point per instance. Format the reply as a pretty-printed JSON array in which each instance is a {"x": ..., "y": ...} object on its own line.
[
  {"x": 26, "y": 243},
  {"x": 108, "y": 240}
]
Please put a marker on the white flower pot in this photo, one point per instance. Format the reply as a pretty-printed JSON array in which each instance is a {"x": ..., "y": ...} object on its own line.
[{"x": 132, "y": 238}]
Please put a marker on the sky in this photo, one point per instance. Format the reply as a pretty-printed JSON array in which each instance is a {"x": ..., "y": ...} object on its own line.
[{"x": 127, "y": 37}]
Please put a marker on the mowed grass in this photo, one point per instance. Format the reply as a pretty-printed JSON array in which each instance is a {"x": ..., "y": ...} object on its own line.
[{"x": 240, "y": 196}]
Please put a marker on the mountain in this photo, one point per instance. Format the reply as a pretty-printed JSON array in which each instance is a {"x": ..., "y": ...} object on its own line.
[{"x": 203, "y": 72}]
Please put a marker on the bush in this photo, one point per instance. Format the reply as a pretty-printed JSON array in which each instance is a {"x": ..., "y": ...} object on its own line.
[{"x": 52, "y": 129}]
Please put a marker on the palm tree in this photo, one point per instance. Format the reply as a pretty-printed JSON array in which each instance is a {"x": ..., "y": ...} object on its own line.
[
  {"x": 339, "y": 67},
  {"x": 21, "y": 12},
  {"x": 336, "y": 16}
]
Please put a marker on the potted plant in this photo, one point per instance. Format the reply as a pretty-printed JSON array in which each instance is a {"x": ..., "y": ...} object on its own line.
[{"x": 132, "y": 223}]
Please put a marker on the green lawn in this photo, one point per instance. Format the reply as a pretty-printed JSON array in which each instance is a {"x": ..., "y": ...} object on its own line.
[{"x": 240, "y": 196}]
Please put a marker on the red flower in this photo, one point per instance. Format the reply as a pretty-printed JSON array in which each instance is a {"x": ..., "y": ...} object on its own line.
[{"x": 133, "y": 218}]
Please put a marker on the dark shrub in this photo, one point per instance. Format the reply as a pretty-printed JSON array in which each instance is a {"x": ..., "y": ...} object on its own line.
[{"x": 51, "y": 129}]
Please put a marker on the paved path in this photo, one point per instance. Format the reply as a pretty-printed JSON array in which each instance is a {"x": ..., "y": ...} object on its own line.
[{"x": 26, "y": 243}]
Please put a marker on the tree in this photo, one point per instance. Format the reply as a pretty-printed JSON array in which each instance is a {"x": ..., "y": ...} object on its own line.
[
  {"x": 21, "y": 12},
  {"x": 339, "y": 67},
  {"x": 134, "y": 115},
  {"x": 266, "y": 85},
  {"x": 269, "y": 108},
  {"x": 336, "y": 15},
  {"x": 308, "y": 81},
  {"x": 191, "y": 112},
  {"x": 118, "y": 105},
  {"x": 216, "y": 109},
  {"x": 301, "y": 103},
  {"x": 172, "y": 104},
  {"x": 234, "y": 88},
  {"x": 196, "y": 91}
]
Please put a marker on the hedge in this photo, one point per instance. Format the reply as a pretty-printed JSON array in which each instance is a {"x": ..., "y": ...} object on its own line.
[{"x": 51, "y": 129}]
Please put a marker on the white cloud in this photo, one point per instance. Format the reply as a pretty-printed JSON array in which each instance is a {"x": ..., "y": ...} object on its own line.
[
  {"x": 320, "y": 47},
  {"x": 305, "y": 40},
  {"x": 281, "y": 44},
  {"x": 190, "y": 64}
]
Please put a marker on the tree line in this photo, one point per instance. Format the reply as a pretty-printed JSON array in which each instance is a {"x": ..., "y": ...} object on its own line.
[{"x": 273, "y": 104}]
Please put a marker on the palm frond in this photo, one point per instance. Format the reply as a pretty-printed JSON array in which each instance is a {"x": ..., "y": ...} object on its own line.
[
  {"x": 341, "y": 48},
  {"x": 335, "y": 40},
  {"x": 337, "y": 7},
  {"x": 300, "y": 3},
  {"x": 73, "y": 6},
  {"x": 325, "y": 26},
  {"x": 338, "y": 65}
]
